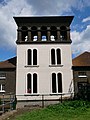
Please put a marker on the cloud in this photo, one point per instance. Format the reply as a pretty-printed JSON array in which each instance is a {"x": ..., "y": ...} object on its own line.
[
  {"x": 86, "y": 19},
  {"x": 81, "y": 41},
  {"x": 10, "y": 8}
]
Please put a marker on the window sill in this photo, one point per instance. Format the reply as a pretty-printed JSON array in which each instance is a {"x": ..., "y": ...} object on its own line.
[
  {"x": 31, "y": 65},
  {"x": 59, "y": 65},
  {"x": 31, "y": 94},
  {"x": 82, "y": 76},
  {"x": 2, "y": 91},
  {"x": 2, "y": 78}
]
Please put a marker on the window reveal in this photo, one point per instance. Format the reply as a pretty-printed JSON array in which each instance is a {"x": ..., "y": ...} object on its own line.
[
  {"x": 32, "y": 83},
  {"x": 56, "y": 83}
]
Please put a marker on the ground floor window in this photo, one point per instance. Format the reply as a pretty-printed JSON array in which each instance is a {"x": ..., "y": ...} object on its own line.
[
  {"x": 32, "y": 83},
  {"x": 56, "y": 83},
  {"x": 2, "y": 88}
]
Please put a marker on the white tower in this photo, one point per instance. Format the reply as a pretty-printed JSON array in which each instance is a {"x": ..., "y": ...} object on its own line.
[{"x": 43, "y": 57}]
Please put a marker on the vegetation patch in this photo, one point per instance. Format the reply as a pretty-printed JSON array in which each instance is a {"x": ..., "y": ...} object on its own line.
[{"x": 68, "y": 110}]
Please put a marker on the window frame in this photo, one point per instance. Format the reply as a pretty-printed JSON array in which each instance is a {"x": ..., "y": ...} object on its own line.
[
  {"x": 32, "y": 56},
  {"x": 56, "y": 58},
  {"x": 1, "y": 88},
  {"x": 82, "y": 74},
  {"x": 32, "y": 84},
  {"x": 57, "y": 83},
  {"x": 2, "y": 77}
]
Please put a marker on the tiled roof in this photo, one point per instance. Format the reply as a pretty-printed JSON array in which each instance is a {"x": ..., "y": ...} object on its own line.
[
  {"x": 82, "y": 60},
  {"x": 10, "y": 63}
]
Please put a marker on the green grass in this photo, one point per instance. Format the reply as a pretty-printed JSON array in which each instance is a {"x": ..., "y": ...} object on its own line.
[{"x": 69, "y": 110}]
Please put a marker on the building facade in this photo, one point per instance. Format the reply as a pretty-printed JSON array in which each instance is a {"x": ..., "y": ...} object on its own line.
[
  {"x": 43, "y": 56},
  {"x": 81, "y": 75},
  {"x": 8, "y": 76}
]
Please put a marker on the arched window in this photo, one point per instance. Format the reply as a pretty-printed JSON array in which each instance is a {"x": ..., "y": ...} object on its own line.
[
  {"x": 59, "y": 77},
  {"x": 32, "y": 83},
  {"x": 55, "y": 56},
  {"x": 32, "y": 57},
  {"x": 58, "y": 56},
  {"x": 29, "y": 56},
  {"x": 29, "y": 83},
  {"x": 52, "y": 56},
  {"x": 56, "y": 83}
]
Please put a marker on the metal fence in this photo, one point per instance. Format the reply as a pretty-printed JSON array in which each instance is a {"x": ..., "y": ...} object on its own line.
[
  {"x": 7, "y": 102},
  {"x": 46, "y": 99},
  {"x": 61, "y": 97}
]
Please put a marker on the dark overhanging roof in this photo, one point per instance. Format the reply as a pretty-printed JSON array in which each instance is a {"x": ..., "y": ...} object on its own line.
[{"x": 44, "y": 19}]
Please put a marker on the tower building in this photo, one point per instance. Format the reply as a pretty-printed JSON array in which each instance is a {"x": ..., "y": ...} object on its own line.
[{"x": 43, "y": 57}]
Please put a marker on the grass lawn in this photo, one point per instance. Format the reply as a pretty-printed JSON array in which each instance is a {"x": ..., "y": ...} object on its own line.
[{"x": 68, "y": 110}]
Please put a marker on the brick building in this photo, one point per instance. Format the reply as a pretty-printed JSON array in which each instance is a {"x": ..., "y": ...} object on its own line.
[
  {"x": 81, "y": 74},
  {"x": 8, "y": 76}
]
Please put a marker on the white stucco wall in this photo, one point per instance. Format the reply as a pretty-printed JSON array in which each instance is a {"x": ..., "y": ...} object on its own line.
[{"x": 44, "y": 70}]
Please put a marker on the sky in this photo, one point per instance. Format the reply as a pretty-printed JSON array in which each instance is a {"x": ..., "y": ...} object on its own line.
[{"x": 80, "y": 27}]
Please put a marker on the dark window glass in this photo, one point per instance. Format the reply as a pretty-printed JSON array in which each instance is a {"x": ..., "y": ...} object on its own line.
[
  {"x": 63, "y": 32},
  {"x": 58, "y": 56},
  {"x": 59, "y": 76},
  {"x": 3, "y": 87},
  {"x": 24, "y": 33},
  {"x": 29, "y": 56},
  {"x": 52, "y": 56},
  {"x": 54, "y": 83},
  {"x": 81, "y": 73},
  {"x": 34, "y": 57},
  {"x": 29, "y": 83},
  {"x": 34, "y": 83}
]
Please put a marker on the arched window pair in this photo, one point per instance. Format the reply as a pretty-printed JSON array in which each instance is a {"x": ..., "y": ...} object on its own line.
[
  {"x": 56, "y": 83},
  {"x": 32, "y": 57},
  {"x": 55, "y": 56},
  {"x": 32, "y": 83}
]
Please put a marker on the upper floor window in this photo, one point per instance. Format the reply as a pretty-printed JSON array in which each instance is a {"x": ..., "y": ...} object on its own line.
[
  {"x": 55, "y": 56},
  {"x": 32, "y": 57},
  {"x": 56, "y": 83},
  {"x": 82, "y": 74},
  {"x": 2, "y": 76},
  {"x": 32, "y": 83}
]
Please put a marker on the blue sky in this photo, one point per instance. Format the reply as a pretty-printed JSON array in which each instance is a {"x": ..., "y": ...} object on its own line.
[{"x": 80, "y": 27}]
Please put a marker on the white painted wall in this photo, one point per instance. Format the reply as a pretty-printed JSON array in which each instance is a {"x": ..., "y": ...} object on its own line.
[{"x": 44, "y": 71}]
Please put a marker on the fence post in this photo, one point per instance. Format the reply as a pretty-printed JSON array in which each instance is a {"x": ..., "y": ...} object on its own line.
[
  {"x": 3, "y": 105},
  {"x": 10, "y": 102},
  {"x": 42, "y": 101},
  {"x": 61, "y": 98}
]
